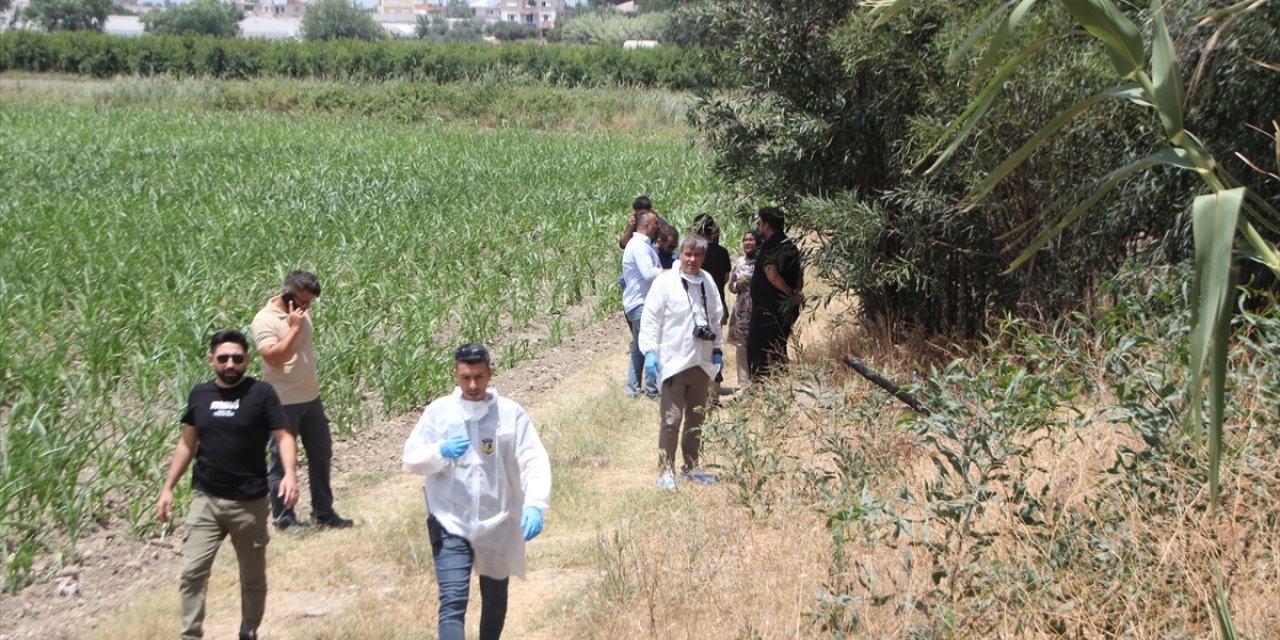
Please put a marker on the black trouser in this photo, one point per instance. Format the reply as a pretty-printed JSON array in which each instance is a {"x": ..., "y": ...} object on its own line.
[
  {"x": 310, "y": 425},
  {"x": 767, "y": 340}
]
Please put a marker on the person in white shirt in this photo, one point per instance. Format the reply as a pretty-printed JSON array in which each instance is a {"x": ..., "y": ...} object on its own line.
[
  {"x": 488, "y": 483},
  {"x": 640, "y": 266},
  {"x": 680, "y": 337}
]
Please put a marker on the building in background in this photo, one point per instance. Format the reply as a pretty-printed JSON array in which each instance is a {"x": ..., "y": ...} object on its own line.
[
  {"x": 539, "y": 14},
  {"x": 272, "y": 8}
]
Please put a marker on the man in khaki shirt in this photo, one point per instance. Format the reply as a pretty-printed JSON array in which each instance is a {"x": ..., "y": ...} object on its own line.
[{"x": 285, "y": 338}]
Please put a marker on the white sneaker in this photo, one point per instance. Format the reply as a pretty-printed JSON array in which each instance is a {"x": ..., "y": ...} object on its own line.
[{"x": 667, "y": 481}]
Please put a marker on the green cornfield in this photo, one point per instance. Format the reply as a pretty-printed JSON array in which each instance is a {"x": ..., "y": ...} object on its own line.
[{"x": 128, "y": 235}]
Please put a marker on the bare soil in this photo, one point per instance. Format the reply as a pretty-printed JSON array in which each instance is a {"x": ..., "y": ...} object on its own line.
[{"x": 111, "y": 569}]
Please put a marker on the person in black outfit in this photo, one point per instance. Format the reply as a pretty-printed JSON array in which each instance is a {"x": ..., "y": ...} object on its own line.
[
  {"x": 224, "y": 427},
  {"x": 718, "y": 264},
  {"x": 668, "y": 238},
  {"x": 777, "y": 293}
]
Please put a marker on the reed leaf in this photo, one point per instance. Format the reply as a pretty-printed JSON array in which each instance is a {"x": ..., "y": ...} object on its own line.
[
  {"x": 959, "y": 52},
  {"x": 1121, "y": 37},
  {"x": 1164, "y": 70},
  {"x": 1002, "y": 35},
  {"x": 962, "y": 126},
  {"x": 1017, "y": 157},
  {"x": 1213, "y": 225},
  {"x": 887, "y": 9},
  {"x": 1173, "y": 157}
]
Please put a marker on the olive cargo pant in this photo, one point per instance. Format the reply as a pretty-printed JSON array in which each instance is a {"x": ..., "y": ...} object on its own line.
[{"x": 210, "y": 520}]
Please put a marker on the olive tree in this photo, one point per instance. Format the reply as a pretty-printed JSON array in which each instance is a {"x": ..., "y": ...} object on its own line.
[
  {"x": 68, "y": 15},
  {"x": 199, "y": 17},
  {"x": 338, "y": 20}
]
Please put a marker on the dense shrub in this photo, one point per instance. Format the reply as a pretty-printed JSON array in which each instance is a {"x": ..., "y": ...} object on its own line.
[
  {"x": 511, "y": 31},
  {"x": 106, "y": 56},
  {"x": 614, "y": 28},
  {"x": 67, "y": 15},
  {"x": 1050, "y": 492},
  {"x": 340, "y": 20},
  {"x": 441, "y": 29},
  {"x": 840, "y": 121},
  {"x": 200, "y": 17}
]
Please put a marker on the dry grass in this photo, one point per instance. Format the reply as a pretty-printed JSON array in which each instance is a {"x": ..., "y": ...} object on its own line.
[
  {"x": 763, "y": 554},
  {"x": 703, "y": 568},
  {"x": 1049, "y": 580}
]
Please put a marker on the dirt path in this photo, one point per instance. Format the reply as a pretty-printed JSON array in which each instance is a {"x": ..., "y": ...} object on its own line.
[{"x": 373, "y": 580}]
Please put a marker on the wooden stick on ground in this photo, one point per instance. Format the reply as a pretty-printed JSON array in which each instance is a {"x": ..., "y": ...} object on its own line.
[{"x": 883, "y": 383}]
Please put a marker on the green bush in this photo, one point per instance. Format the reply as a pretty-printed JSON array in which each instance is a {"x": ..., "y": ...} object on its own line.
[
  {"x": 105, "y": 56},
  {"x": 840, "y": 119},
  {"x": 340, "y": 20},
  {"x": 511, "y": 31},
  {"x": 614, "y": 28},
  {"x": 67, "y": 15},
  {"x": 200, "y": 17}
]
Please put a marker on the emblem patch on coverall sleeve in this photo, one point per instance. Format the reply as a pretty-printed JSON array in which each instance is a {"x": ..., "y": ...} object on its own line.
[{"x": 486, "y": 446}]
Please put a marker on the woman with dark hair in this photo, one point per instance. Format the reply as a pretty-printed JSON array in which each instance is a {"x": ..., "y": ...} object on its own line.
[{"x": 740, "y": 316}]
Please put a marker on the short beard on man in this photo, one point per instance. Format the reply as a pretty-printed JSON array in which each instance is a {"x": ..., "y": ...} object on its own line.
[{"x": 230, "y": 376}]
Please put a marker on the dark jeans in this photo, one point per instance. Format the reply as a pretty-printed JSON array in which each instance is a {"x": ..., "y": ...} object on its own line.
[
  {"x": 453, "y": 557},
  {"x": 767, "y": 340},
  {"x": 635, "y": 368},
  {"x": 310, "y": 425}
]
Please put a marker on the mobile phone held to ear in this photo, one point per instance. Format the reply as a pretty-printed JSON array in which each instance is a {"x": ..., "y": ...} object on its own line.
[{"x": 288, "y": 298}]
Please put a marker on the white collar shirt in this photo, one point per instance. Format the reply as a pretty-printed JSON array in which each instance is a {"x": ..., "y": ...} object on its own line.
[{"x": 640, "y": 267}]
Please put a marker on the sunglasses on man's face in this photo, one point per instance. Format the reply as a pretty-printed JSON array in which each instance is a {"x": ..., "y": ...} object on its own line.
[{"x": 237, "y": 358}]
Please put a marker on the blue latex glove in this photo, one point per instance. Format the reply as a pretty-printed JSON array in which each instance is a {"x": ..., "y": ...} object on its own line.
[
  {"x": 651, "y": 366},
  {"x": 718, "y": 360},
  {"x": 531, "y": 522},
  {"x": 454, "y": 446}
]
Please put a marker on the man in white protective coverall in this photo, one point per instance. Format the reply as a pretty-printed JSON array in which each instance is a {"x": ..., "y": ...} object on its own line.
[
  {"x": 488, "y": 482},
  {"x": 683, "y": 346}
]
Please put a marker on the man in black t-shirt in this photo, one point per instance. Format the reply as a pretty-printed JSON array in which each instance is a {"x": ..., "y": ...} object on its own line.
[
  {"x": 777, "y": 293},
  {"x": 224, "y": 428}
]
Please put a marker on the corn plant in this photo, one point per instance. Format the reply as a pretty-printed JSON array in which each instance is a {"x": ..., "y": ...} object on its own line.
[{"x": 128, "y": 235}]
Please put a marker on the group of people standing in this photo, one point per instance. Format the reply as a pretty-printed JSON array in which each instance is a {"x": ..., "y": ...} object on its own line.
[
  {"x": 677, "y": 317},
  {"x": 488, "y": 477}
]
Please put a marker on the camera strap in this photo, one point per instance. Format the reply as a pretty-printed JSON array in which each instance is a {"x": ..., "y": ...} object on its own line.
[{"x": 706, "y": 315}]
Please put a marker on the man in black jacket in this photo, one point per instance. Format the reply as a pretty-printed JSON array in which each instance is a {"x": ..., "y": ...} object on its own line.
[{"x": 777, "y": 293}]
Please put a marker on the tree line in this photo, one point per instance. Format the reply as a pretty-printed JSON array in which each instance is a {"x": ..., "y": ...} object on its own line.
[{"x": 100, "y": 55}]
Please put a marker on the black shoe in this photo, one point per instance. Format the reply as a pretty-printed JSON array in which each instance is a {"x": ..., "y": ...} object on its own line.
[
  {"x": 285, "y": 521},
  {"x": 333, "y": 520}
]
